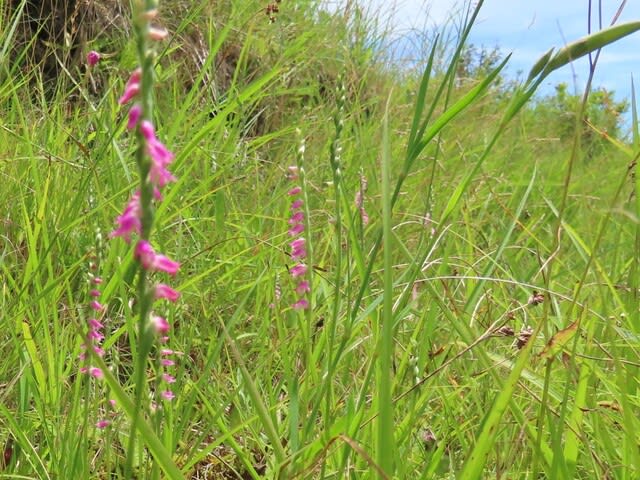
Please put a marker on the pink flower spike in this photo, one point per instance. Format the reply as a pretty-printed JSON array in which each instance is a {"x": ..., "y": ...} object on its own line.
[
  {"x": 150, "y": 260},
  {"x": 129, "y": 222},
  {"x": 294, "y": 191},
  {"x": 298, "y": 243},
  {"x": 102, "y": 424},
  {"x": 97, "y": 280},
  {"x": 94, "y": 293},
  {"x": 93, "y": 58},
  {"x": 165, "y": 291},
  {"x": 296, "y": 204},
  {"x": 301, "y": 304},
  {"x": 95, "y": 324},
  {"x": 132, "y": 88},
  {"x": 160, "y": 156},
  {"x": 134, "y": 116},
  {"x": 129, "y": 94},
  {"x": 303, "y": 287},
  {"x": 168, "y": 378},
  {"x": 159, "y": 324},
  {"x": 167, "y": 363},
  {"x": 299, "y": 254},
  {"x": 298, "y": 270},
  {"x": 96, "y": 373},
  {"x": 166, "y": 351},
  {"x": 296, "y": 230},
  {"x": 296, "y": 218},
  {"x": 97, "y": 306},
  {"x": 95, "y": 335},
  {"x": 168, "y": 395}
]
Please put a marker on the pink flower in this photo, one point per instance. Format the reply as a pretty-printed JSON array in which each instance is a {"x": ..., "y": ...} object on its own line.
[
  {"x": 93, "y": 58},
  {"x": 301, "y": 304},
  {"x": 298, "y": 243},
  {"x": 168, "y": 395},
  {"x": 298, "y": 270},
  {"x": 303, "y": 287},
  {"x": 132, "y": 88},
  {"x": 97, "y": 306},
  {"x": 168, "y": 378},
  {"x": 129, "y": 221},
  {"x": 134, "y": 116},
  {"x": 95, "y": 324},
  {"x": 297, "y": 229},
  {"x": 95, "y": 335},
  {"x": 150, "y": 260},
  {"x": 297, "y": 217},
  {"x": 296, "y": 204},
  {"x": 160, "y": 156},
  {"x": 167, "y": 363},
  {"x": 96, "y": 372},
  {"x": 94, "y": 293},
  {"x": 160, "y": 324},
  {"x": 294, "y": 191},
  {"x": 102, "y": 423},
  {"x": 298, "y": 250},
  {"x": 165, "y": 291}
]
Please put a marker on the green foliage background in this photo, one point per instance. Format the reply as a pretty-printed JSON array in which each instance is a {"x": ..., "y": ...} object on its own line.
[{"x": 475, "y": 231}]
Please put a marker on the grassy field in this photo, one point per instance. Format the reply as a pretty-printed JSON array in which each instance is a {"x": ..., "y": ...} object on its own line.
[{"x": 385, "y": 272}]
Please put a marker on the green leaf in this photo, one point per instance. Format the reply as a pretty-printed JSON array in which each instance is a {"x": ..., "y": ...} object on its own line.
[{"x": 588, "y": 44}]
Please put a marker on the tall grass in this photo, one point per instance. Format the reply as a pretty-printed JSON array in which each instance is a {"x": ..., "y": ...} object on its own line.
[{"x": 480, "y": 321}]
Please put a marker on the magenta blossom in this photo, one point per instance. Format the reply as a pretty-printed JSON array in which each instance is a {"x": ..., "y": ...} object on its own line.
[
  {"x": 132, "y": 88},
  {"x": 297, "y": 217},
  {"x": 150, "y": 260},
  {"x": 161, "y": 157},
  {"x": 298, "y": 270},
  {"x": 303, "y": 287},
  {"x": 165, "y": 291},
  {"x": 298, "y": 250},
  {"x": 134, "y": 116},
  {"x": 296, "y": 230},
  {"x": 129, "y": 221},
  {"x": 93, "y": 58},
  {"x": 102, "y": 424},
  {"x": 159, "y": 324},
  {"x": 301, "y": 304},
  {"x": 168, "y": 395}
]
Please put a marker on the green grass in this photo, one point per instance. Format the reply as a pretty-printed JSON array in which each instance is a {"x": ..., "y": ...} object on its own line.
[{"x": 422, "y": 356}]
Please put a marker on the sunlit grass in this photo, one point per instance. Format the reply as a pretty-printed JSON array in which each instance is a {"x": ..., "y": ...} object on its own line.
[{"x": 423, "y": 353}]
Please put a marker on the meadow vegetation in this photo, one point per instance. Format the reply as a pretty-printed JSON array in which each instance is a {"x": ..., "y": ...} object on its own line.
[{"x": 472, "y": 253}]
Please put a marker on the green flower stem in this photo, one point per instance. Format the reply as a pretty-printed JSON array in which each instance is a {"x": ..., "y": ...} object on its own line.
[{"x": 145, "y": 297}]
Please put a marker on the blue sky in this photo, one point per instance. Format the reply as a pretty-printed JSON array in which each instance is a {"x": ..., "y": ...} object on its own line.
[{"x": 528, "y": 28}]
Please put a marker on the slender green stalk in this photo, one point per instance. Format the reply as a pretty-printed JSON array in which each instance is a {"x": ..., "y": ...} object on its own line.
[{"x": 385, "y": 339}]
